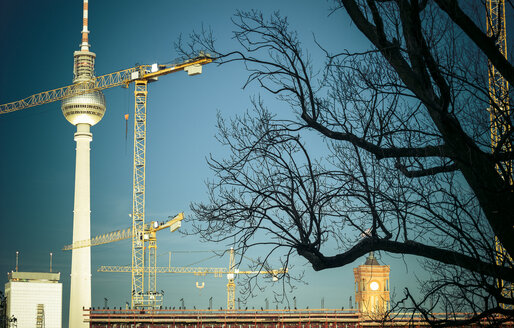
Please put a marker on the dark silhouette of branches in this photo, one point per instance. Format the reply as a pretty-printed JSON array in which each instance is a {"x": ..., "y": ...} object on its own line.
[{"x": 407, "y": 165}]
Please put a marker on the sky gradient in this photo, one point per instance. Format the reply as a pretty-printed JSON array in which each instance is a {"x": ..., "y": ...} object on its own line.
[{"x": 38, "y": 151}]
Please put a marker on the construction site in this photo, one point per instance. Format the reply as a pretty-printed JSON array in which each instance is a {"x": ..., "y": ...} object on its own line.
[
  {"x": 250, "y": 319},
  {"x": 83, "y": 105}
]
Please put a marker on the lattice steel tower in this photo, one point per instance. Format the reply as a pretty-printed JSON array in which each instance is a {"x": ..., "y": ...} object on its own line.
[
  {"x": 499, "y": 113},
  {"x": 499, "y": 87}
]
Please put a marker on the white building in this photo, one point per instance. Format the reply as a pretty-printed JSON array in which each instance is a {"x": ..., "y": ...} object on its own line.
[{"x": 34, "y": 299}]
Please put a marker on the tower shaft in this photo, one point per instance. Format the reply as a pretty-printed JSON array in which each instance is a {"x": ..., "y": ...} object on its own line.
[
  {"x": 80, "y": 289},
  {"x": 82, "y": 110}
]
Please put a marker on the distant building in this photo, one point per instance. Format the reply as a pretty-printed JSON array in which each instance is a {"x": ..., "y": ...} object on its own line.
[
  {"x": 34, "y": 299},
  {"x": 371, "y": 296},
  {"x": 372, "y": 287}
]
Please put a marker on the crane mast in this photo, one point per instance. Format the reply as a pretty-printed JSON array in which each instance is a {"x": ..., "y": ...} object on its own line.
[
  {"x": 499, "y": 112},
  {"x": 231, "y": 285},
  {"x": 139, "y": 298},
  {"x": 499, "y": 87},
  {"x": 149, "y": 297}
]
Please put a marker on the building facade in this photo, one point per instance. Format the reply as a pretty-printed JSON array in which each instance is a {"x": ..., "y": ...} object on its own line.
[
  {"x": 34, "y": 299},
  {"x": 372, "y": 287}
]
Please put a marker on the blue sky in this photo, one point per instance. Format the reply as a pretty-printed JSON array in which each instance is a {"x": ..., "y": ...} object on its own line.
[{"x": 38, "y": 152}]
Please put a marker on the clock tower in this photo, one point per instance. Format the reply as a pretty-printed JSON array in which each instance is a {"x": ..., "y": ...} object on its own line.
[{"x": 372, "y": 287}]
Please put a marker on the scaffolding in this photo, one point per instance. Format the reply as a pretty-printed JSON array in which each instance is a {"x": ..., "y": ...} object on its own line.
[{"x": 315, "y": 318}]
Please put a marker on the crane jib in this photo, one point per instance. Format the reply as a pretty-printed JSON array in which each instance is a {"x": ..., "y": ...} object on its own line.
[{"x": 123, "y": 77}]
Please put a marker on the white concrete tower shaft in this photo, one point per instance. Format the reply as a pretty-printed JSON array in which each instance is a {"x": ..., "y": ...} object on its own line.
[
  {"x": 84, "y": 111},
  {"x": 80, "y": 289}
]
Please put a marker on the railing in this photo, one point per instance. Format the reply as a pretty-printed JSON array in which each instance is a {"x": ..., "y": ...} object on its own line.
[{"x": 302, "y": 318}]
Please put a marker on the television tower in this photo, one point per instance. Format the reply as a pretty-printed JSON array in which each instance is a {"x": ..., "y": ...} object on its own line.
[
  {"x": 83, "y": 105},
  {"x": 83, "y": 111}
]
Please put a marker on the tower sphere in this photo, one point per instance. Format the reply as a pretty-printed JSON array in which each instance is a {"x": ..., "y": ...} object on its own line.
[{"x": 87, "y": 108}]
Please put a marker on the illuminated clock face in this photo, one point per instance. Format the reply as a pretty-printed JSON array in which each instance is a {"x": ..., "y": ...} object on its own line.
[{"x": 373, "y": 285}]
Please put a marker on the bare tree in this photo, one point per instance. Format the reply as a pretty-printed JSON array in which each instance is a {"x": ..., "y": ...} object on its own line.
[{"x": 409, "y": 168}]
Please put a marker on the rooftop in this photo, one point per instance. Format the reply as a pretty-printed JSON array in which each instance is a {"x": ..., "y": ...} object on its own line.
[
  {"x": 371, "y": 260},
  {"x": 34, "y": 276}
]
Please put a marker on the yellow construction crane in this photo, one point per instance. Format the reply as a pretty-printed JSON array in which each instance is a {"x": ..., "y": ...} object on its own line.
[
  {"x": 499, "y": 112},
  {"x": 498, "y": 87},
  {"x": 231, "y": 285},
  {"x": 148, "y": 235},
  {"x": 142, "y": 298},
  {"x": 140, "y": 76},
  {"x": 115, "y": 79},
  {"x": 231, "y": 273},
  {"x": 122, "y": 234}
]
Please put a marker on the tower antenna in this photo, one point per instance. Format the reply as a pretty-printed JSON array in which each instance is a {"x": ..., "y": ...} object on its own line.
[{"x": 85, "y": 39}]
